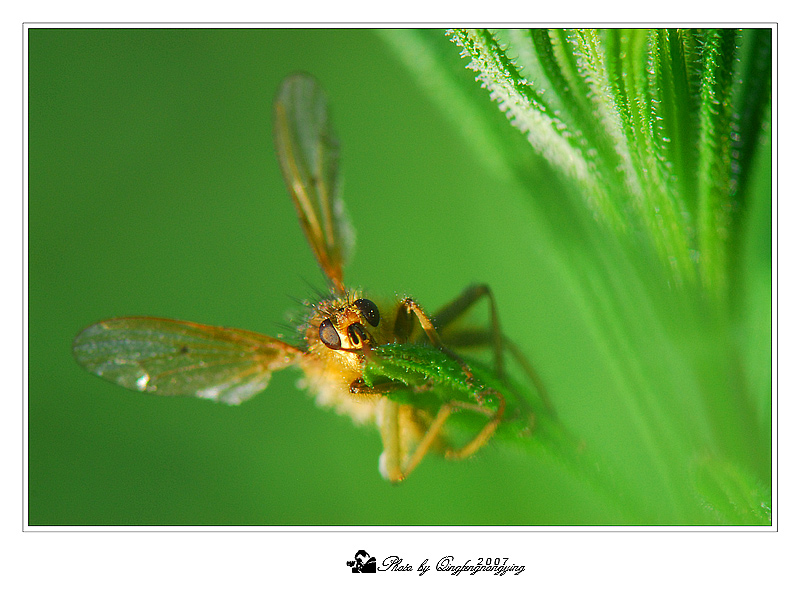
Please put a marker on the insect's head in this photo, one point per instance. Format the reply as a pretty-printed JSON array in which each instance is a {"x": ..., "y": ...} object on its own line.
[{"x": 345, "y": 325}]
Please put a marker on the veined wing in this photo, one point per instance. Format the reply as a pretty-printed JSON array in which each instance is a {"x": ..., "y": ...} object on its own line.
[
  {"x": 309, "y": 154},
  {"x": 179, "y": 358}
]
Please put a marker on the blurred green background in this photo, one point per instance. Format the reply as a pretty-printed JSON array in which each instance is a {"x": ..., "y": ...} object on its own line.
[{"x": 154, "y": 190}]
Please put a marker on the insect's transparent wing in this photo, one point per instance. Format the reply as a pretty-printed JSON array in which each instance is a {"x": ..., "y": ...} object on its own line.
[
  {"x": 179, "y": 358},
  {"x": 309, "y": 154}
]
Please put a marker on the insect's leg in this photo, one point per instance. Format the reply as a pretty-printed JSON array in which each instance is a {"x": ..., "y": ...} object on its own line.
[
  {"x": 470, "y": 447},
  {"x": 390, "y": 460},
  {"x": 530, "y": 372},
  {"x": 358, "y": 386},
  {"x": 404, "y": 322},
  {"x": 403, "y": 327},
  {"x": 410, "y": 463},
  {"x": 493, "y": 336},
  {"x": 462, "y": 304},
  {"x": 483, "y": 435},
  {"x": 395, "y": 465},
  {"x": 389, "y": 422},
  {"x": 481, "y": 338}
]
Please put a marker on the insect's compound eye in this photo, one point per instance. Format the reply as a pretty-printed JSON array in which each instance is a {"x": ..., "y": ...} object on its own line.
[
  {"x": 368, "y": 310},
  {"x": 329, "y": 335}
]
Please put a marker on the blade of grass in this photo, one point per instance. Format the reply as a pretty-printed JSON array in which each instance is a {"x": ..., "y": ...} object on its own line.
[
  {"x": 526, "y": 109},
  {"x": 715, "y": 175}
]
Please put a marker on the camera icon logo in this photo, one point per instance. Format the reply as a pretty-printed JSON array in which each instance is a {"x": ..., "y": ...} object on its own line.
[{"x": 363, "y": 563}]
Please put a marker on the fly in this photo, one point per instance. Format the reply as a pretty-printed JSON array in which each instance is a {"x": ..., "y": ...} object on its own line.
[{"x": 357, "y": 353}]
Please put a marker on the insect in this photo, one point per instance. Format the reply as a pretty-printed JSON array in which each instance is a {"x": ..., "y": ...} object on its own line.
[{"x": 363, "y": 357}]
